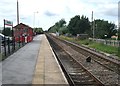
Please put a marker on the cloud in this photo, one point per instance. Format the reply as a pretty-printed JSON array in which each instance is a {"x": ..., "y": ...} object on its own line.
[
  {"x": 111, "y": 12},
  {"x": 49, "y": 14},
  {"x": 55, "y": 10}
]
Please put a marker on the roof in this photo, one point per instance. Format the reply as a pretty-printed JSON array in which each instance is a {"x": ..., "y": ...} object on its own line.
[{"x": 21, "y": 25}]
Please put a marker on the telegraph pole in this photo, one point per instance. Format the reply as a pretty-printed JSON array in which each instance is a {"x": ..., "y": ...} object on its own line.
[
  {"x": 93, "y": 29},
  {"x": 34, "y": 19},
  {"x": 119, "y": 20},
  {"x": 17, "y": 12}
]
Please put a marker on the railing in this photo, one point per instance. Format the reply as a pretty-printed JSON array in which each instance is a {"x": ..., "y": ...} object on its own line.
[
  {"x": 108, "y": 42},
  {"x": 9, "y": 47}
]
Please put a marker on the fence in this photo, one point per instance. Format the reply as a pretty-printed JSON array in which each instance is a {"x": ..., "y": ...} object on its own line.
[
  {"x": 9, "y": 47},
  {"x": 108, "y": 42}
]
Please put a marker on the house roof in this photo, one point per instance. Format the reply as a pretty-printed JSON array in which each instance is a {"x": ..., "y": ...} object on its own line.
[{"x": 21, "y": 25}]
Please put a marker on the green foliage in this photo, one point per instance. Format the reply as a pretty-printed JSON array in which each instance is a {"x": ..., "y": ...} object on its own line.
[
  {"x": 105, "y": 48},
  {"x": 38, "y": 30},
  {"x": 7, "y": 31},
  {"x": 58, "y": 27},
  {"x": 82, "y": 25},
  {"x": 119, "y": 33},
  {"x": 63, "y": 30},
  {"x": 79, "y": 25},
  {"x": 97, "y": 46},
  {"x": 118, "y": 51},
  {"x": 104, "y": 28}
]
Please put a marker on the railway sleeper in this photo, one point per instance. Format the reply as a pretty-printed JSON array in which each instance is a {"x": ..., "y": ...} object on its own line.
[
  {"x": 77, "y": 83},
  {"x": 75, "y": 70},
  {"x": 82, "y": 80}
]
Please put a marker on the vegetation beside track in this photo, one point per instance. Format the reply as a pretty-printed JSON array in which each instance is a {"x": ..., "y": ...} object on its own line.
[{"x": 97, "y": 46}]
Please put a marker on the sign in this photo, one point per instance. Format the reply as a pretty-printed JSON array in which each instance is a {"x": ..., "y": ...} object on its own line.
[{"x": 9, "y": 23}]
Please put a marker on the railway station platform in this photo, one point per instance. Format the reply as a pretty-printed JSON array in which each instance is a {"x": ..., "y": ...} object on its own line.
[
  {"x": 35, "y": 63},
  {"x": 47, "y": 69}
]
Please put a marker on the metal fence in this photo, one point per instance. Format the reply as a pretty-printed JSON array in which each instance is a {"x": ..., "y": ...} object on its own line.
[
  {"x": 9, "y": 47},
  {"x": 108, "y": 42}
]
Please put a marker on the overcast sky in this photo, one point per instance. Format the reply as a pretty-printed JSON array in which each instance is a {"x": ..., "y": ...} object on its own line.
[{"x": 48, "y": 12}]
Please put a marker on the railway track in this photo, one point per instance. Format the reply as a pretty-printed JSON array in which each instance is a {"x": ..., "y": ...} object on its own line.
[
  {"x": 74, "y": 71},
  {"x": 72, "y": 57},
  {"x": 109, "y": 62}
]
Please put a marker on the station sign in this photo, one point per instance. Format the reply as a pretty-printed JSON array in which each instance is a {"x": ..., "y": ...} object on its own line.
[{"x": 8, "y": 23}]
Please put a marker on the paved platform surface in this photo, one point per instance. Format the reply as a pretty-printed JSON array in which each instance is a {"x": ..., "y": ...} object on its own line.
[
  {"x": 47, "y": 69},
  {"x": 19, "y": 67},
  {"x": 34, "y": 63}
]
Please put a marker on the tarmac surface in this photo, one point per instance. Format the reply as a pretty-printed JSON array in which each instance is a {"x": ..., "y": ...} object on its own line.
[
  {"x": 19, "y": 67},
  {"x": 35, "y": 63}
]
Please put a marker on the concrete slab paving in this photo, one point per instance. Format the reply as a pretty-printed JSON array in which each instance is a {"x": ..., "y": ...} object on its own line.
[
  {"x": 19, "y": 67},
  {"x": 48, "y": 70}
]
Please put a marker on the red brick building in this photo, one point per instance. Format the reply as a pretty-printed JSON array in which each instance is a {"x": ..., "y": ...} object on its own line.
[{"x": 23, "y": 33}]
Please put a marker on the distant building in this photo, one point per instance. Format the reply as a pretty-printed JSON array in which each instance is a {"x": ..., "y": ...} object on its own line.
[
  {"x": 82, "y": 36},
  {"x": 23, "y": 33}
]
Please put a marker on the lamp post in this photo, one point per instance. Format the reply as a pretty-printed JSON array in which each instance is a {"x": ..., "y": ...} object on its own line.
[
  {"x": 34, "y": 19},
  {"x": 17, "y": 12}
]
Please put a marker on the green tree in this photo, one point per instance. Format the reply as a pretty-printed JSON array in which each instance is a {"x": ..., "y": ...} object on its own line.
[
  {"x": 38, "y": 30},
  {"x": 79, "y": 25},
  {"x": 73, "y": 25},
  {"x": 104, "y": 28},
  {"x": 63, "y": 30},
  {"x": 7, "y": 31},
  {"x": 119, "y": 33},
  {"x": 58, "y": 26}
]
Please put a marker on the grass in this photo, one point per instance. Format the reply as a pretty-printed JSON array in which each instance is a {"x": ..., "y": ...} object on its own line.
[
  {"x": 105, "y": 48},
  {"x": 98, "y": 46}
]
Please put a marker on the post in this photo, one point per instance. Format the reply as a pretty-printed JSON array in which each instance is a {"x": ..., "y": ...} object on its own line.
[
  {"x": 4, "y": 39},
  {"x": 93, "y": 22},
  {"x": 13, "y": 38},
  {"x": 8, "y": 42},
  {"x": 93, "y": 29},
  {"x": 34, "y": 19},
  {"x": 17, "y": 12}
]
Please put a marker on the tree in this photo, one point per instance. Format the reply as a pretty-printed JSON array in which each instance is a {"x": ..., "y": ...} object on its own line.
[
  {"x": 38, "y": 30},
  {"x": 73, "y": 25},
  {"x": 119, "y": 33},
  {"x": 63, "y": 30},
  {"x": 104, "y": 28},
  {"x": 79, "y": 25},
  {"x": 84, "y": 25},
  {"x": 62, "y": 22},
  {"x": 58, "y": 26},
  {"x": 7, "y": 31}
]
